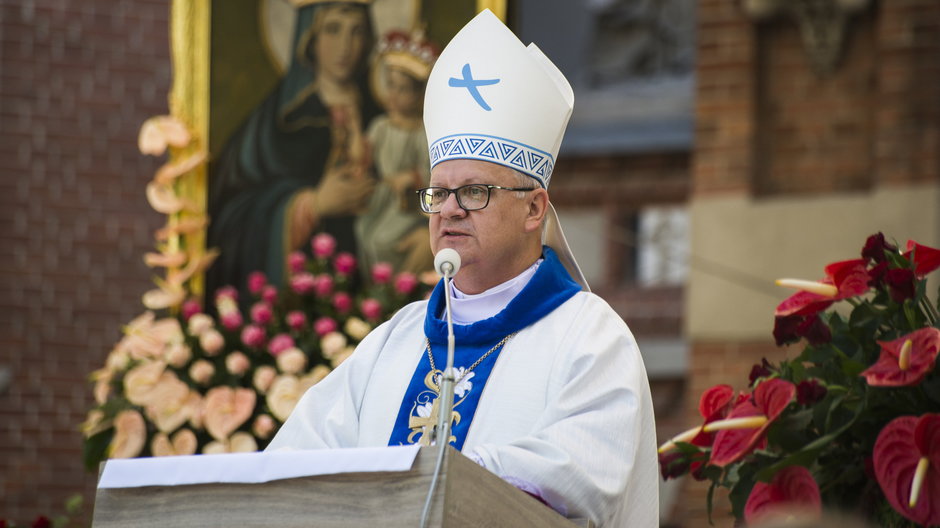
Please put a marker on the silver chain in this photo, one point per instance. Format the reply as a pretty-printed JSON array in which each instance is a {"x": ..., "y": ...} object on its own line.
[{"x": 475, "y": 363}]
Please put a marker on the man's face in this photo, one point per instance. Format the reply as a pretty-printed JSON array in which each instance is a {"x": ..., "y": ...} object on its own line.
[{"x": 490, "y": 241}]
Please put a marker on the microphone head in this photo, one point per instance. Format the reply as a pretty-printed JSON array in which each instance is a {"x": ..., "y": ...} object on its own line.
[{"x": 447, "y": 262}]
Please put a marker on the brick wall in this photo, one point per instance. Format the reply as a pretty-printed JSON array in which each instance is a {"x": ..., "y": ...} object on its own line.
[
  {"x": 76, "y": 81},
  {"x": 765, "y": 123}
]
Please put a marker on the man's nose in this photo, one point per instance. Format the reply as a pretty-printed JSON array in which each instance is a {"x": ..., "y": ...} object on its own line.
[{"x": 451, "y": 208}]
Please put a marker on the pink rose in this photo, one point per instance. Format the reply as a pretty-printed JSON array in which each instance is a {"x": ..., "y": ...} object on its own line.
[
  {"x": 201, "y": 371},
  {"x": 226, "y": 293},
  {"x": 381, "y": 272},
  {"x": 263, "y": 377},
  {"x": 405, "y": 283},
  {"x": 237, "y": 363},
  {"x": 296, "y": 261},
  {"x": 324, "y": 285},
  {"x": 303, "y": 283},
  {"x": 263, "y": 426},
  {"x": 253, "y": 336},
  {"x": 269, "y": 294},
  {"x": 292, "y": 360},
  {"x": 256, "y": 281},
  {"x": 371, "y": 308},
  {"x": 261, "y": 313},
  {"x": 190, "y": 308},
  {"x": 211, "y": 341},
  {"x": 199, "y": 323},
  {"x": 323, "y": 245},
  {"x": 344, "y": 263},
  {"x": 280, "y": 343},
  {"x": 342, "y": 302},
  {"x": 232, "y": 320},
  {"x": 324, "y": 325},
  {"x": 296, "y": 320},
  {"x": 179, "y": 355},
  {"x": 332, "y": 344}
]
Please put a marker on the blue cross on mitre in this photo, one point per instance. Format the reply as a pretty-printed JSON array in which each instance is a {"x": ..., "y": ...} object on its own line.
[{"x": 472, "y": 85}]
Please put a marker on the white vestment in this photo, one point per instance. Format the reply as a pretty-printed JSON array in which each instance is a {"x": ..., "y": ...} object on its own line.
[{"x": 567, "y": 408}]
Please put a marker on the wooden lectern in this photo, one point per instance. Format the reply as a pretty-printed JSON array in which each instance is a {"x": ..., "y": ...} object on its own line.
[{"x": 467, "y": 495}]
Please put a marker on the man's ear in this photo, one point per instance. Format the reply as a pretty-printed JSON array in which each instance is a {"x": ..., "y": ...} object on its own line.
[{"x": 537, "y": 207}]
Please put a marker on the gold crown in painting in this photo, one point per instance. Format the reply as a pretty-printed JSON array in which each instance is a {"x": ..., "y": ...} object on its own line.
[
  {"x": 412, "y": 53},
  {"x": 301, "y": 3}
]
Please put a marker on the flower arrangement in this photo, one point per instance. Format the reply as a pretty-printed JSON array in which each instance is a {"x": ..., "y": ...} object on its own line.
[
  {"x": 853, "y": 421},
  {"x": 192, "y": 382}
]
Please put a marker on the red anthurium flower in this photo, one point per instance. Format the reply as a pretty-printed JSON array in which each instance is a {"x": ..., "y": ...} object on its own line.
[
  {"x": 747, "y": 423},
  {"x": 792, "y": 488},
  {"x": 926, "y": 259},
  {"x": 713, "y": 405},
  {"x": 906, "y": 360},
  {"x": 844, "y": 279},
  {"x": 907, "y": 465}
]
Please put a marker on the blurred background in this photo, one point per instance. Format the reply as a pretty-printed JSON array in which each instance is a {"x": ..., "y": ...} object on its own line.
[{"x": 715, "y": 145}]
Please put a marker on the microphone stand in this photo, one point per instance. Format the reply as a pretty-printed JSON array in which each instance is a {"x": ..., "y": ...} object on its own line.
[{"x": 445, "y": 398}]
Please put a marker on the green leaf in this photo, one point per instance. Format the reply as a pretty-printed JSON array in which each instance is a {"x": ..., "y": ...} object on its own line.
[
  {"x": 789, "y": 431},
  {"x": 709, "y": 502},
  {"x": 74, "y": 504},
  {"x": 742, "y": 489},
  {"x": 931, "y": 387},
  {"x": 865, "y": 316},
  {"x": 852, "y": 368},
  {"x": 94, "y": 449},
  {"x": 804, "y": 457}
]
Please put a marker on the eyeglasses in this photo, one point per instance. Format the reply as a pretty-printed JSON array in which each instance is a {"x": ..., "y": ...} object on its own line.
[{"x": 471, "y": 197}]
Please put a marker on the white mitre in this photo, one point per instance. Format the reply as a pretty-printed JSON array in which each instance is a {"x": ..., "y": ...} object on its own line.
[{"x": 491, "y": 98}]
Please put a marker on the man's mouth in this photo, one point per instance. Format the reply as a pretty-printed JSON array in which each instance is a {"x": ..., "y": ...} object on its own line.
[{"x": 452, "y": 233}]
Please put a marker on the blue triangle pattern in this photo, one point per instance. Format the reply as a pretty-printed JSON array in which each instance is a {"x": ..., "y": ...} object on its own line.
[
  {"x": 489, "y": 151},
  {"x": 474, "y": 144},
  {"x": 507, "y": 150},
  {"x": 535, "y": 159},
  {"x": 445, "y": 146},
  {"x": 519, "y": 160},
  {"x": 458, "y": 149}
]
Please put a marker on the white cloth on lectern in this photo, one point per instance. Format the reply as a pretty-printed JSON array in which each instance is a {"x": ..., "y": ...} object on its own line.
[{"x": 567, "y": 408}]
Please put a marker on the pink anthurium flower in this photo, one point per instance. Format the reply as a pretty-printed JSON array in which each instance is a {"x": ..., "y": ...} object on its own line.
[
  {"x": 747, "y": 423},
  {"x": 907, "y": 465},
  {"x": 906, "y": 360},
  {"x": 844, "y": 279},
  {"x": 926, "y": 259},
  {"x": 792, "y": 488}
]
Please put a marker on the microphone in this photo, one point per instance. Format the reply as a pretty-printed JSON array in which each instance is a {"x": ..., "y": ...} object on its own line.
[{"x": 447, "y": 262}]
